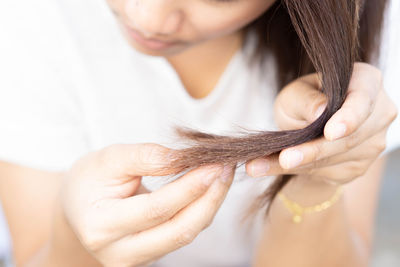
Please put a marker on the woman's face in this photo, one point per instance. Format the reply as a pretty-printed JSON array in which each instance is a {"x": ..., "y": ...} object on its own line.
[{"x": 167, "y": 27}]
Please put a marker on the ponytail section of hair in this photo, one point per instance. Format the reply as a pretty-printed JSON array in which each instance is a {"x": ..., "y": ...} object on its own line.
[{"x": 328, "y": 31}]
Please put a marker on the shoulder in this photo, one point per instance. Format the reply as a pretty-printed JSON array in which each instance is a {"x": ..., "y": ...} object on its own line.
[
  {"x": 36, "y": 49},
  {"x": 38, "y": 109}
]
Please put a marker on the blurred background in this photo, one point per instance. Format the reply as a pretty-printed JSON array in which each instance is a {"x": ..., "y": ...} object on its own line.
[
  {"x": 386, "y": 250},
  {"x": 387, "y": 233}
]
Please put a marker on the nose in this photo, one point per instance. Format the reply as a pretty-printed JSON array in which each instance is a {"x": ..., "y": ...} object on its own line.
[{"x": 154, "y": 17}]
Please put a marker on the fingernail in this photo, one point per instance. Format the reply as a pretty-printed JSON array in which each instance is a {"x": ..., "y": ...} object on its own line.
[
  {"x": 226, "y": 175},
  {"x": 259, "y": 167},
  {"x": 336, "y": 131},
  {"x": 319, "y": 111},
  {"x": 292, "y": 158},
  {"x": 211, "y": 174}
]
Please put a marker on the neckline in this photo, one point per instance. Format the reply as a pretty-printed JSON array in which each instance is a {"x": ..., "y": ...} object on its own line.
[{"x": 183, "y": 94}]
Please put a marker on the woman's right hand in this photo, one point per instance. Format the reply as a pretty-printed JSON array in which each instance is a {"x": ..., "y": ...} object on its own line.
[{"x": 120, "y": 224}]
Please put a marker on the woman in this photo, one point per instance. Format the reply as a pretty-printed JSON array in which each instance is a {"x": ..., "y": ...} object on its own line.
[{"x": 87, "y": 205}]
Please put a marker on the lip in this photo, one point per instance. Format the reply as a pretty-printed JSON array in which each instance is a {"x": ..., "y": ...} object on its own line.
[{"x": 153, "y": 44}]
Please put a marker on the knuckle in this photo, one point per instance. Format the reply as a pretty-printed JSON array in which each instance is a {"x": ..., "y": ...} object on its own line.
[
  {"x": 365, "y": 97},
  {"x": 377, "y": 73},
  {"x": 91, "y": 239},
  {"x": 320, "y": 163},
  {"x": 197, "y": 188},
  {"x": 316, "y": 152},
  {"x": 90, "y": 242},
  {"x": 185, "y": 236},
  {"x": 375, "y": 145},
  {"x": 351, "y": 141},
  {"x": 314, "y": 165},
  {"x": 208, "y": 215},
  {"x": 369, "y": 70},
  {"x": 328, "y": 174},
  {"x": 347, "y": 176},
  {"x": 392, "y": 112},
  {"x": 208, "y": 223},
  {"x": 313, "y": 172},
  {"x": 380, "y": 146},
  {"x": 91, "y": 232},
  {"x": 215, "y": 201},
  {"x": 356, "y": 169},
  {"x": 323, "y": 173},
  {"x": 357, "y": 114},
  {"x": 348, "y": 179}
]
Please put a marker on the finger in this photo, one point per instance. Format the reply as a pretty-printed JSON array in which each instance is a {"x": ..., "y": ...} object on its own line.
[
  {"x": 271, "y": 165},
  {"x": 342, "y": 173},
  {"x": 266, "y": 166},
  {"x": 315, "y": 151},
  {"x": 122, "y": 160},
  {"x": 322, "y": 148},
  {"x": 299, "y": 103},
  {"x": 179, "y": 231},
  {"x": 140, "y": 212},
  {"x": 322, "y": 152},
  {"x": 365, "y": 84},
  {"x": 369, "y": 149}
]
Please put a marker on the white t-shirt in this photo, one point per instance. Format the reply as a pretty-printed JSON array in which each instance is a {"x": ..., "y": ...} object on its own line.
[{"x": 70, "y": 83}]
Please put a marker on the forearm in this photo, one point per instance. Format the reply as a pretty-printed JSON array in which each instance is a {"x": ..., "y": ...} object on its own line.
[
  {"x": 324, "y": 238},
  {"x": 40, "y": 234},
  {"x": 27, "y": 196},
  {"x": 63, "y": 248}
]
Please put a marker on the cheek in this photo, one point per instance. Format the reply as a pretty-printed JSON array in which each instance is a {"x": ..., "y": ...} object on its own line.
[{"x": 223, "y": 21}]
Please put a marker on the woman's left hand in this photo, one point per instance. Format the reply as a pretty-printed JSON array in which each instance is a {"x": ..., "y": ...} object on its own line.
[{"x": 353, "y": 138}]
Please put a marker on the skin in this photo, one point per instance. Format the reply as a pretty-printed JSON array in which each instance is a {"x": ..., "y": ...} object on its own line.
[
  {"x": 346, "y": 229},
  {"x": 357, "y": 148},
  {"x": 207, "y": 32},
  {"x": 184, "y": 21},
  {"x": 81, "y": 229}
]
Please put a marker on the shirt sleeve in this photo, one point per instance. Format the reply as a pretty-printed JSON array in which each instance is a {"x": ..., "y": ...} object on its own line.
[
  {"x": 390, "y": 66},
  {"x": 40, "y": 120}
]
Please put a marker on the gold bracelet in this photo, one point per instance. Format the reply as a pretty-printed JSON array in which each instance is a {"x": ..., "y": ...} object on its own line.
[{"x": 297, "y": 210}]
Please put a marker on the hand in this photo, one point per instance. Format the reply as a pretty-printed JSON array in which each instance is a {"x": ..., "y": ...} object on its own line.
[
  {"x": 353, "y": 138},
  {"x": 120, "y": 226}
]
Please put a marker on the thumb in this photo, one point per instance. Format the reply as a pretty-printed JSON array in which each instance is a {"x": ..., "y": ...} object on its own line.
[
  {"x": 122, "y": 160},
  {"x": 299, "y": 104}
]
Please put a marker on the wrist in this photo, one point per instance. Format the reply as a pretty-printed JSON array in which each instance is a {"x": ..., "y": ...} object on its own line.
[
  {"x": 306, "y": 196},
  {"x": 307, "y": 191}
]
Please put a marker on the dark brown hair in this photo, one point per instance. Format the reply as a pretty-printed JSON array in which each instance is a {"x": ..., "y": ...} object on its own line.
[{"x": 305, "y": 36}]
